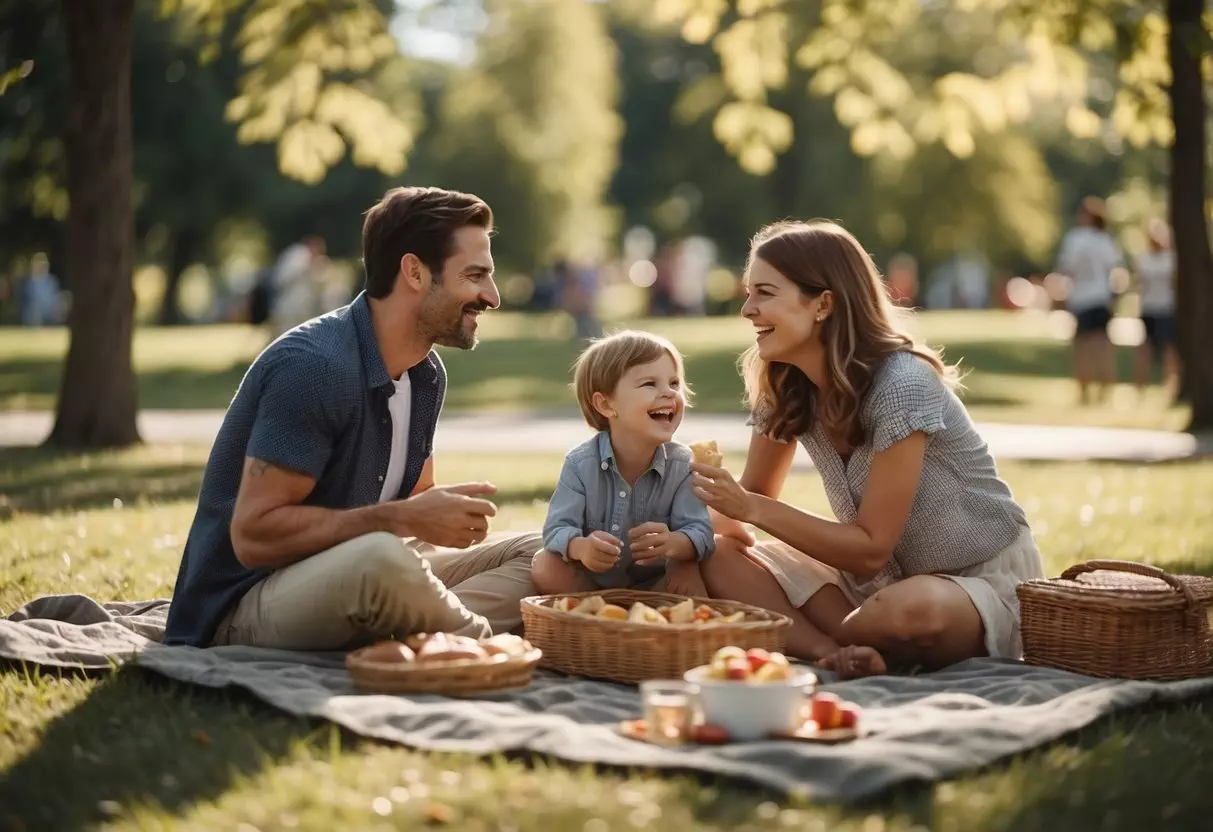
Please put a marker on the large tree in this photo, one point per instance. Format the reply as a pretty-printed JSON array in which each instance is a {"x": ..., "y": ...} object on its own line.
[
  {"x": 1188, "y": 41},
  {"x": 300, "y": 90},
  {"x": 1028, "y": 59}
]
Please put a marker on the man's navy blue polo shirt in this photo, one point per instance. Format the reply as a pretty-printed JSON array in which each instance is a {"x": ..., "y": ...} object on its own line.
[{"x": 315, "y": 401}]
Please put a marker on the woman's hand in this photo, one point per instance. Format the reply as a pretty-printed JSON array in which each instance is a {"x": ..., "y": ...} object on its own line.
[{"x": 719, "y": 491}]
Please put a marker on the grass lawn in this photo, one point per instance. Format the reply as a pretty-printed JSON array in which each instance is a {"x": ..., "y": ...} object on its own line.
[
  {"x": 131, "y": 750},
  {"x": 1018, "y": 370}
]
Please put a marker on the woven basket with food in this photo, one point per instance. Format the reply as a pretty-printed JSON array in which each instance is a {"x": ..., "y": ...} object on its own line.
[
  {"x": 1121, "y": 619},
  {"x": 631, "y": 636},
  {"x": 443, "y": 663}
]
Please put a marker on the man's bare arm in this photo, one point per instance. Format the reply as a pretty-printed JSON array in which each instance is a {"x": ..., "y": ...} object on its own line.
[{"x": 270, "y": 528}]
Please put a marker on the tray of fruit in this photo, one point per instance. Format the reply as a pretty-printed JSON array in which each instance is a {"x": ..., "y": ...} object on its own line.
[
  {"x": 443, "y": 663},
  {"x": 743, "y": 695},
  {"x": 629, "y": 635}
]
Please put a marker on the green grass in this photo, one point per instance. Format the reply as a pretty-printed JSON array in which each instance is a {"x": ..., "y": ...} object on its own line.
[
  {"x": 130, "y": 750},
  {"x": 1018, "y": 371}
]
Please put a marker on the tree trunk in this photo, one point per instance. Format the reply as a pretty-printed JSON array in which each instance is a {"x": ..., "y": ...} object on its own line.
[
  {"x": 97, "y": 397},
  {"x": 1193, "y": 258}
]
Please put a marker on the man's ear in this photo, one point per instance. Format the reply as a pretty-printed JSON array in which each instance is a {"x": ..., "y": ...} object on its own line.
[
  {"x": 413, "y": 272},
  {"x": 602, "y": 404}
]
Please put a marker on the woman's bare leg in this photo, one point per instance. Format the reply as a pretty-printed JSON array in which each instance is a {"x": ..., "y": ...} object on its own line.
[
  {"x": 922, "y": 620},
  {"x": 729, "y": 574}
]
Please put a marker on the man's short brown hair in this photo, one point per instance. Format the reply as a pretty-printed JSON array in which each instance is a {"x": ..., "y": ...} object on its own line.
[
  {"x": 418, "y": 221},
  {"x": 602, "y": 364}
]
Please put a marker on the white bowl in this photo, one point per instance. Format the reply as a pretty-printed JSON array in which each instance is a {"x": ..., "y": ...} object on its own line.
[{"x": 752, "y": 710}]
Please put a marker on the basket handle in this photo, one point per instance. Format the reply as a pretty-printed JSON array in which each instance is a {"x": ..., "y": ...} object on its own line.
[{"x": 1137, "y": 568}]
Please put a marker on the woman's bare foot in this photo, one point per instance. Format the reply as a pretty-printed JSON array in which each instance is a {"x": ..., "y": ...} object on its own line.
[{"x": 854, "y": 662}]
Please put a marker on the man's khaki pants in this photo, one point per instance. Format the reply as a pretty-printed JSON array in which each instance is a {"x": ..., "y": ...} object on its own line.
[{"x": 378, "y": 586}]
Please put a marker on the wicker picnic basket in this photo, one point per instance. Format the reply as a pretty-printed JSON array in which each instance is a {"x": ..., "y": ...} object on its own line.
[
  {"x": 631, "y": 652},
  {"x": 1121, "y": 619},
  {"x": 462, "y": 677}
]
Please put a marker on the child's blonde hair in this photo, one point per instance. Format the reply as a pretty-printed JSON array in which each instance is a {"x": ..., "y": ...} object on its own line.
[{"x": 602, "y": 364}]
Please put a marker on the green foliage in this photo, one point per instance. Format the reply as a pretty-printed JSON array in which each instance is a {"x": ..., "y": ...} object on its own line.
[
  {"x": 956, "y": 94},
  {"x": 531, "y": 127},
  {"x": 304, "y": 60},
  {"x": 879, "y": 60}
]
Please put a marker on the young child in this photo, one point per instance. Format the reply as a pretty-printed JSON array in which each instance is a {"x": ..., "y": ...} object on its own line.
[{"x": 623, "y": 509}]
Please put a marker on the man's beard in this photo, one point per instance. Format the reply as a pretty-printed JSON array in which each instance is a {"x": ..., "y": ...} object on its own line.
[{"x": 446, "y": 326}]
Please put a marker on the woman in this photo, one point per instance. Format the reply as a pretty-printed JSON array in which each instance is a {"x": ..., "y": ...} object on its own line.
[
  {"x": 1156, "y": 283},
  {"x": 921, "y": 565},
  {"x": 1088, "y": 254}
]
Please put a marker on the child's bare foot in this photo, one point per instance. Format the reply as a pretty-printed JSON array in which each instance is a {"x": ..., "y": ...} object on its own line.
[
  {"x": 855, "y": 661},
  {"x": 683, "y": 578}
]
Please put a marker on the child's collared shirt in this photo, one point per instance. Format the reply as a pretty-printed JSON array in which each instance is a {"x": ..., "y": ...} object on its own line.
[{"x": 591, "y": 495}]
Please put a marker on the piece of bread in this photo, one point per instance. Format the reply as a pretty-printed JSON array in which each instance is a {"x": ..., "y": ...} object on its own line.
[
  {"x": 613, "y": 611},
  {"x": 417, "y": 640},
  {"x": 644, "y": 614},
  {"x": 682, "y": 613},
  {"x": 706, "y": 453},
  {"x": 564, "y": 604},
  {"x": 590, "y": 605},
  {"x": 442, "y": 647},
  {"x": 505, "y": 643},
  {"x": 388, "y": 652}
]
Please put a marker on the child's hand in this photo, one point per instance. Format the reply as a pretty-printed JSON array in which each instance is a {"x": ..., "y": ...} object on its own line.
[
  {"x": 598, "y": 552},
  {"x": 654, "y": 541}
]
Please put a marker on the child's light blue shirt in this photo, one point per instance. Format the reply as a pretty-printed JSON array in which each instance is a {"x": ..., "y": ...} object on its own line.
[{"x": 592, "y": 496}]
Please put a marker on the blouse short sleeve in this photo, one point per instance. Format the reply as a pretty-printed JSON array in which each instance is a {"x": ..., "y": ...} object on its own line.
[
  {"x": 760, "y": 418},
  {"x": 908, "y": 396}
]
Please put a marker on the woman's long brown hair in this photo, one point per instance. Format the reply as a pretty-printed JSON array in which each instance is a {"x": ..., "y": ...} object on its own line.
[{"x": 859, "y": 333}]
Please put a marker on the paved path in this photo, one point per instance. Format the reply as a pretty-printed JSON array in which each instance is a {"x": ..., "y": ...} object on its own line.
[{"x": 554, "y": 433}]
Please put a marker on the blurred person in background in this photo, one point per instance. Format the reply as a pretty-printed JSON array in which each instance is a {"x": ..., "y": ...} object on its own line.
[
  {"x": 579, "y": 297},
  {"x": 39, "y": 294},
  {"x": 1087, "y": 256},
  {"x": 1155, "y": 269},
  {"x": 295, "y": 296}
]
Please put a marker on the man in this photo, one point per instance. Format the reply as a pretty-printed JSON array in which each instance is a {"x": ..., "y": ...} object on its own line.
[
  {"x": 318, "y": 523},
  {"x": 1088, "y": 254}
]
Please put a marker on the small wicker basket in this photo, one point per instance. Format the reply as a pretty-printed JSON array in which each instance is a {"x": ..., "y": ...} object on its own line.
[
  {"x": 462, "y": 677},
  {"x": 631, "y": 652},
  {"x": 1121, "y": 619}
]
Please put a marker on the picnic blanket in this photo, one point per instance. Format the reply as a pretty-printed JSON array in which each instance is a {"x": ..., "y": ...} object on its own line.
[{"x": 923, "y": 727}]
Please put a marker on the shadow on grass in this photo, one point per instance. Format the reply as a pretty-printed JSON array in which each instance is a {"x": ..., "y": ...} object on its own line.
[
  {"x": 139, "y": 740},
  {"x": 44, "y": 480}
]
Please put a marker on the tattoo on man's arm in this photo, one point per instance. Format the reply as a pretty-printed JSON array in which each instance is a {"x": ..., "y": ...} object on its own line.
[{"x": 259, "y": 467}]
